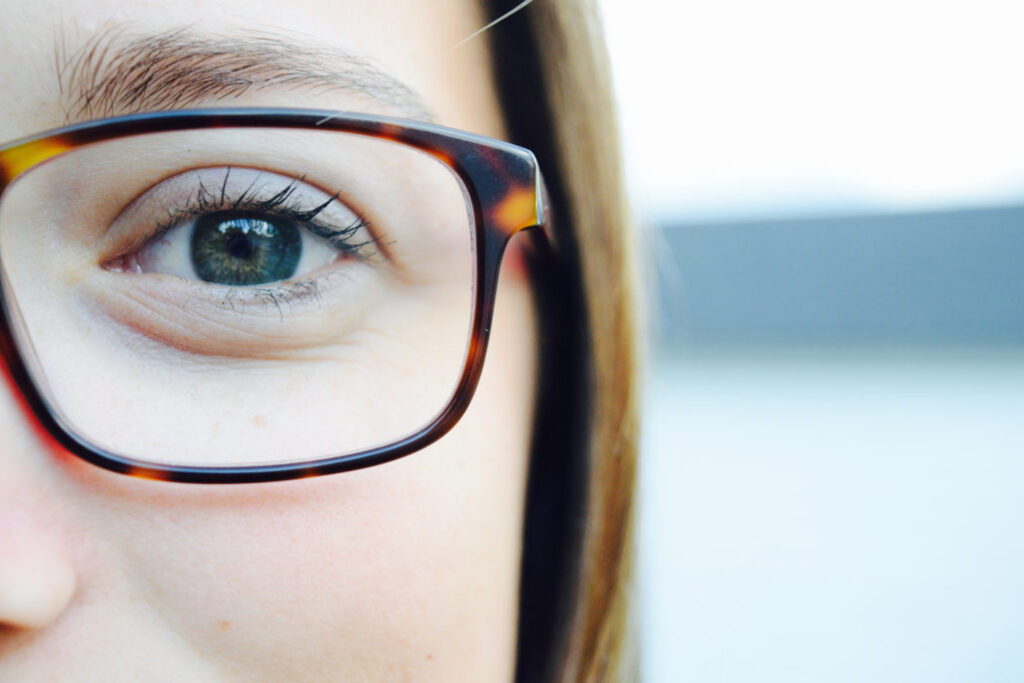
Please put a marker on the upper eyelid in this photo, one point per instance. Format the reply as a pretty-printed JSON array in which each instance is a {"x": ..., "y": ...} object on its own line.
[
  {"x": 272, "y": 197},
  {"x": 205, "y": 200}
]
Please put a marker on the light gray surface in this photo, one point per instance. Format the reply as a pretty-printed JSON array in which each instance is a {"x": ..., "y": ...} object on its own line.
[{"x": 834, "y": 518}]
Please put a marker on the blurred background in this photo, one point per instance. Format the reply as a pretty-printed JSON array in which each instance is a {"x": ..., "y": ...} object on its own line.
[{"x": 832, "y": 485}]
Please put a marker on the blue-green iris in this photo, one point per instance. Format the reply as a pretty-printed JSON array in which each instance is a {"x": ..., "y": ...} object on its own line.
[{"x": 233, "y": 249}]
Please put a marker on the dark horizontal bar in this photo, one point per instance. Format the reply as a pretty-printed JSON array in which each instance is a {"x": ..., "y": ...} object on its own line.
[{"x": 920, "y": 278}]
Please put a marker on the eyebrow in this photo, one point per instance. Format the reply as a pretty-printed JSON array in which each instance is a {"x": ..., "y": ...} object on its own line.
[{"x": 114, "y": 74}]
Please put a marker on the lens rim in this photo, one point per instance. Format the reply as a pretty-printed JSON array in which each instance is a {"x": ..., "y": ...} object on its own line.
[{"x": 504, "y": 188}]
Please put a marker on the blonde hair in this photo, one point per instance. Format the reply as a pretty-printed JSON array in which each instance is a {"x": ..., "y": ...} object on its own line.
[{"x": 553, "y": 75}]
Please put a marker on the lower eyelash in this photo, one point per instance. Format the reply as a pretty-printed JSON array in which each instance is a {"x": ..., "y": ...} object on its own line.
[{"x": 278, "y": 296}]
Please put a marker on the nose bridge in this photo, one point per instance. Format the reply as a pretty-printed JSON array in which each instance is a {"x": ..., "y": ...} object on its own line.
[
  {"x": 18, "y": 421},
  {"x": 26, "y": 447},
  {"x": 20, "y": 404}
]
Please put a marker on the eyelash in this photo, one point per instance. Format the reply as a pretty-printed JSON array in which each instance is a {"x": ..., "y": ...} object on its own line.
[
  {"x": 300, "y": 291},
  {"x": 281, "y": 204}
]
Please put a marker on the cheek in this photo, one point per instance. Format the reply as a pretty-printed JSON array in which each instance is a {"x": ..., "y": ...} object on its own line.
[{"x": 408, "y": 569}]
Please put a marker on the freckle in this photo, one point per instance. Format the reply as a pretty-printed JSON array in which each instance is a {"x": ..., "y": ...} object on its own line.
[
  {"x": 430, "y": 658},
  {"x": 224, "y": 625},
  {"x": 259, "y": 421}
]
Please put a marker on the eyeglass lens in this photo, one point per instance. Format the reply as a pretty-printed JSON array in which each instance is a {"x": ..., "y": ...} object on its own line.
[{"x": 230, "y": 297}]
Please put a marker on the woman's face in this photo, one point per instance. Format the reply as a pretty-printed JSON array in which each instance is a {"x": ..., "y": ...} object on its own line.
[{"x": 403, "y": 571}]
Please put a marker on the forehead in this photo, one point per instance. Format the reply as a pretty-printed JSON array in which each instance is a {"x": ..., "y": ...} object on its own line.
[{"x": 78, "y": 59}]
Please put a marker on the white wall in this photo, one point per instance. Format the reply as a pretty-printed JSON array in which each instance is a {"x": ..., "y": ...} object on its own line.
[{"x": 746, "y": 107}]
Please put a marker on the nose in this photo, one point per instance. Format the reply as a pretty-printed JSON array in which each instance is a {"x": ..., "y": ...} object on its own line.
[
  {"x": 37, "y": 577},
  {"x": 37, "y": 580}
]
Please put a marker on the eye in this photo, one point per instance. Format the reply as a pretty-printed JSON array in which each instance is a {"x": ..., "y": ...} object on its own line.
[
  {"x": 323, "y": 282},
  {"x": 252, "y": 228}
]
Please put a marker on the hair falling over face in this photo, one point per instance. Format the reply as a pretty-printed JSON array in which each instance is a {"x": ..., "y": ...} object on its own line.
[{"x": 576, "y": 620}]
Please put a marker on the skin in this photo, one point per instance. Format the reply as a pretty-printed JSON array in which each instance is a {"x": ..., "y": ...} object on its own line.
[{"x": 405, "y": 571}]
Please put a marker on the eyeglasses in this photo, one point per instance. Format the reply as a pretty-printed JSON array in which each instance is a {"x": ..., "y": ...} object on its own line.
[{"x": 239, "y": 295}]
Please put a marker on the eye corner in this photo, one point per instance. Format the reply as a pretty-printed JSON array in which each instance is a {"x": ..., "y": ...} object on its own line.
[{"x": 124, "y": 263}]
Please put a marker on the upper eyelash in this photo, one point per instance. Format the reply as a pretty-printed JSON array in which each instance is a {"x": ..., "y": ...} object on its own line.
[{"x": 205, "y": 201}]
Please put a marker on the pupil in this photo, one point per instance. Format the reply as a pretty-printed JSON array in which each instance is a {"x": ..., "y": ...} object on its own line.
[
  {"x": 233, "y": 248},
  {"x": 240, "y": 246}
]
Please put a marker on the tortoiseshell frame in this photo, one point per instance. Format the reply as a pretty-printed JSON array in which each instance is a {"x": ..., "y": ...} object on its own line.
[{"x": 504, "y": 186}]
